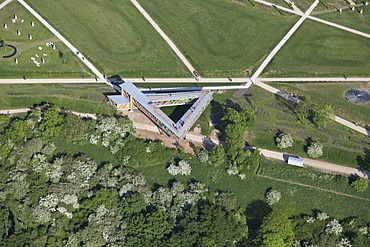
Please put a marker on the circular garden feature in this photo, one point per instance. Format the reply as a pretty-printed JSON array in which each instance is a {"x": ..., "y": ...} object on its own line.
[{"x": 357, "y": 96}]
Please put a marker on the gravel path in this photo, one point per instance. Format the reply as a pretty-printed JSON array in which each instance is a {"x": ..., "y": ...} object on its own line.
[{"x": 320, "y": 165}]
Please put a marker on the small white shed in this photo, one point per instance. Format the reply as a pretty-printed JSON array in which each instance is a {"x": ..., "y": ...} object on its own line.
[{"x": 295, "y": 161}]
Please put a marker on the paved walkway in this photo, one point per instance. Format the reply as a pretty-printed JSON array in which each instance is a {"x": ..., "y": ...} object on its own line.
[
  {"x": 316, "y": 79},
  {"x": 351, "y": 125},
  {"x": 65, "y": 41},
  {"x": 340, "y": 27},
  {"x": 283, "y": 41},
  {"x": 316, "y": 19},
  {"x": 164, "y": 36},
  {"x": 48, "y": 81},
  {"x": 224, "y": 81},
  {"x": 277, "y": 6},
  {"x": 2, "y": 5}
]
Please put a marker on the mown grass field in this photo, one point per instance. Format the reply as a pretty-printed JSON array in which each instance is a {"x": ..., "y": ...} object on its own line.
[
  {"x": 88, "y": 98},
  {"x": 220, "y": 37},
  {"x": 318, "y": 50},
  {"x": 63, "y": 64},
  {"x": 114, "y": 36},
  {"x": 332, "y": 93},
  {"x": 298, "y": 198},
  {"x": 350, "y": 18}
]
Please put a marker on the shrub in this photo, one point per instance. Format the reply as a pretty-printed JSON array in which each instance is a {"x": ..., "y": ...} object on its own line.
[
  {"x": 203, "y": 156},
  {"x": 272, "y": 197},
  {"x": 333, "y": 227},
  {"x": 182, "y": 168},
  {"x": 284, "y": 140},
  {"x": 360, "y": 184},
  {"x": 315, "y": 150}
]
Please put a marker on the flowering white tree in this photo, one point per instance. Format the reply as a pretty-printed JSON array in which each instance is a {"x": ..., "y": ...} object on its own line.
[
  {"x": 284, "y": 140},
  {"x": 344, "y": 242},
  {"x": 363, "y": 230},
  {"x": 333, "y": 227},
  {"x": 272, "y": 197},
  {"x": 182, "y": 168},
  {"x": 322, "y": 216},
  {"x": 203, "y": 156},
  {"x": 315, "y": 150}
]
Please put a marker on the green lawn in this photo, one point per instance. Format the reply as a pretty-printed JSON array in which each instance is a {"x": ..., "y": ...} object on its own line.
[
  {"x": 341, "y": 145},
  {"x": 296, "y": 197},
  {"x": 58, "y": 63},
  {"x": 78, "y": 97},
  {"x": 332, "y": 93},
  {"x": 114, "y": 36},
  {"x": 220, "y": 37},
  {"x": 350, "y": 18},
  {"x": 318, "y": 50},
  {"x": 153, "y": 167}
]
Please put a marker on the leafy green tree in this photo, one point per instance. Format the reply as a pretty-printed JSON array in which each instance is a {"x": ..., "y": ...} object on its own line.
[
  {"x": 234, "y": 140},
  {"x": 4, "y": 121},
  {"x": 322, "y": 114},
  {"x": 275, "y": 231},
  {"x": 248, "y": 117},
  {"x": 75, "y": 128},
  {"x": 236, "y": 124},
  {"x": 51, "y": 124},
  {"x": 252, "y": 161},
  {"x": 207, "y": 225},
  {"x": 217, "y": 155},
  {"x": 301, "y": 111},
  {"x": 19, "y": 131},
  {"x": 146, "y": 227},
  {"x": 360, "y": 184}
]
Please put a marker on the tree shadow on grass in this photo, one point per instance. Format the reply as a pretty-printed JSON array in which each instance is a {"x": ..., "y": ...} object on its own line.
[
  {"x": 255, "y": 212},
  {"x": 364, "y": 162}
]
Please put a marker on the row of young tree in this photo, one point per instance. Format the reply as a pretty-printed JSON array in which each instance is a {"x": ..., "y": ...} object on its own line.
[{"x": 58, "y": 198}]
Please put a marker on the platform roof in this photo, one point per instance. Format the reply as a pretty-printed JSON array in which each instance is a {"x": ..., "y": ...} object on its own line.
[
  {"x": 182, "y": 125},
  {"x": 118, "y": 99}
]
